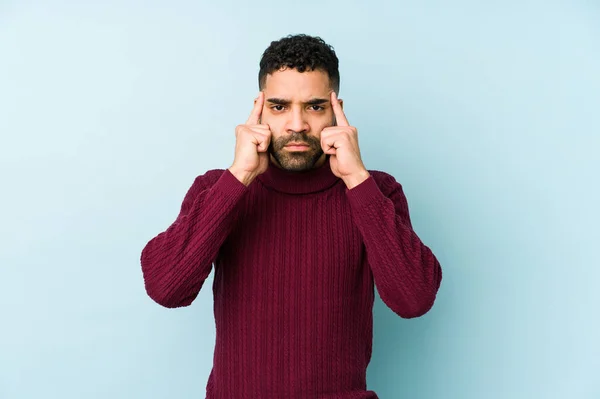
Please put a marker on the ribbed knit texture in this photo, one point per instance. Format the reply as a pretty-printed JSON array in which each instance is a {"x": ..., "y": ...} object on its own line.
[{"x": 297, "y": 257}]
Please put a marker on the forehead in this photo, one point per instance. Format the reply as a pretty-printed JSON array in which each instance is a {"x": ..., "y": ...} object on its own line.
[{"x": 291, "y": 84}]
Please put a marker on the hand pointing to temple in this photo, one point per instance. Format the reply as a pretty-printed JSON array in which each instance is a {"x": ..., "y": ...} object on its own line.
[
  {"x": 341, "y": 142},
  {"x": 252, "y": 141}
]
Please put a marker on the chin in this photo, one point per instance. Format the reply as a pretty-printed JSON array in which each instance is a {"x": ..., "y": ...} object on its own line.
[{"x": 297, "y": 161}]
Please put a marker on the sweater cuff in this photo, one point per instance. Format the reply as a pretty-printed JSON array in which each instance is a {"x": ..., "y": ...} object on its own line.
[
  {"x": 230, "y": 186},
  {"x": 364, "y": 194}
]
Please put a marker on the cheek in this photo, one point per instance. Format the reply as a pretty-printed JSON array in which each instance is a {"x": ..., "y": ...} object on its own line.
[
  {"x": 278, "y": 140},
  {"x": 317, "y": 128},
  {"x": 274, "y": 122},
  {"x": 320, "y": 121}
]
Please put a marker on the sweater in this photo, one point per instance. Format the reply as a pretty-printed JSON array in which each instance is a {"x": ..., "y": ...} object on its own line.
[{"x": 296, "y": 258}]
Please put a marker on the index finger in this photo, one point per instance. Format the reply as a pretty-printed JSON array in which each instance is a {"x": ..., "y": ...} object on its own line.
[
  {"x": 340, "y": 117},
  {"x": 257, "y": 111}
]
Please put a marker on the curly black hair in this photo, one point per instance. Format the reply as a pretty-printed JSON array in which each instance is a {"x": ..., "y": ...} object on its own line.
[{"x": 302, "y": 52}]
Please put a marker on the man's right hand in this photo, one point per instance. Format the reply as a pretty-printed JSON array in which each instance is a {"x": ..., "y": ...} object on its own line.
[{"x": 252, "y": 141}]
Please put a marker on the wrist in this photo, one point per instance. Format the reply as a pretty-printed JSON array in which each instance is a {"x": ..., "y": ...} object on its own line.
[
  {"x": 243, "y": 176},
  {"x": 356, "y": 179}
]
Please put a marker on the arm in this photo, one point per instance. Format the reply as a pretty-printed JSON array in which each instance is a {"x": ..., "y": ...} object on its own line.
[
  {"x": 405, "y": 271},
  {"x": 176, "y": 262}
]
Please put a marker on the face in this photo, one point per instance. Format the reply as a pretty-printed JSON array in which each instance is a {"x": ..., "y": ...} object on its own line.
[{"x": 297, "y": 108}]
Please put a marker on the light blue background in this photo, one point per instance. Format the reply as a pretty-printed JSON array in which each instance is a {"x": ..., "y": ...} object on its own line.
[{"x": 487, "y": 114}]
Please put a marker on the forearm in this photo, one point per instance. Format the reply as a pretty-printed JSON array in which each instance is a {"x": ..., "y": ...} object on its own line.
[
  {"x": 406, "y": 272},
  {"x": 176, "y": 262}
]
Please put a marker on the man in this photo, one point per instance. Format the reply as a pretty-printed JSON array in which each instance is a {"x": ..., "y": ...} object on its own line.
[{"x": 300, "y": 233}]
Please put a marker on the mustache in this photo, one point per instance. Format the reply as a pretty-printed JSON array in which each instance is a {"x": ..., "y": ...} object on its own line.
[{"x": 281, "y": 142}]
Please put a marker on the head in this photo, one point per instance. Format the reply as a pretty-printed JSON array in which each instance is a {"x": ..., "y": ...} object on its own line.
[{"x": 297, "y": 75}]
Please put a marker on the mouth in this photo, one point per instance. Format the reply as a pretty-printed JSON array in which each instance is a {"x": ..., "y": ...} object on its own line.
[{"x": 299, "y": 147}]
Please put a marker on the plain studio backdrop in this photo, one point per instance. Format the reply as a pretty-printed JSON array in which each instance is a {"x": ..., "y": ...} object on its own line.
[{"x": 487, "y": 114}]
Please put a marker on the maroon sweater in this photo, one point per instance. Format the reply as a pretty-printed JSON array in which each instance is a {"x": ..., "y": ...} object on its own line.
[{"x": 296, "y": 260}]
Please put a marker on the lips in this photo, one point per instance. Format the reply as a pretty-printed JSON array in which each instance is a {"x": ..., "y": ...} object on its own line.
[{"x": 297, "y": 145}]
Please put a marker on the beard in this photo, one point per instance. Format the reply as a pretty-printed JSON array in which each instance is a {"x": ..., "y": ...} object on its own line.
[{"x": 296, "y": 161}]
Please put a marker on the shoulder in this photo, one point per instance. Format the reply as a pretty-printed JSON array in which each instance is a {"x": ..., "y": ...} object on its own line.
[
  {"x": 392, "y": 189},
  {"x": 386, "y": 182},
  {"x": 206, "y": 180},
  {"x": 210, "y": 176}
]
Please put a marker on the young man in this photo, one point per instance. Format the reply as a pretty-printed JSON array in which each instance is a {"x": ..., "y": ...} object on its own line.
[{"x": 300, "y": 233}]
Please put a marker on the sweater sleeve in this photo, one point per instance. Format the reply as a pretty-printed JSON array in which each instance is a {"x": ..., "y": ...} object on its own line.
[
  {"x": 177, "y": 261},
  {"x": 406, "y": 272}
]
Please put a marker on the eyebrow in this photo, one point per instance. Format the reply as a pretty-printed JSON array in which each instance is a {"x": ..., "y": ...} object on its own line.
[{"x": 313, "y": 101}]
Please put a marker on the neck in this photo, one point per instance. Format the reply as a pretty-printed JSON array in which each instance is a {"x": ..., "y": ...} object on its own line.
[{"x": 316, "y": 179}]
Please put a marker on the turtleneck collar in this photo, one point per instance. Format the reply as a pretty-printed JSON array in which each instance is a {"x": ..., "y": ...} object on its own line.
[{"x": 311, "y": 181}]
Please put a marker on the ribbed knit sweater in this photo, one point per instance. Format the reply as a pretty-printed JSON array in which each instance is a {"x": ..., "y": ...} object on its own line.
[{"x": 297, "y": 257}]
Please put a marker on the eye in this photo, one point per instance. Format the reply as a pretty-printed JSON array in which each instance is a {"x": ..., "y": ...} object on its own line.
[
  {"x": 277, "y": 107},
  {"x": 317, "y": 107}
]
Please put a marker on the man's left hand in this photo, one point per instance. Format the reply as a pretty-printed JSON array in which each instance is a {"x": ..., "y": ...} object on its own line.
[{"x": 341, "y": 142}]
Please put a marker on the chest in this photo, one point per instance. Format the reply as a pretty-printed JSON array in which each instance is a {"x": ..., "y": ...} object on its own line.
[{"x": 301, "y": 242}]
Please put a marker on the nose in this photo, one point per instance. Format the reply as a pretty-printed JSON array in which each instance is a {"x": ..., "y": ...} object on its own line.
[{"x": 297, "y": 122}]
